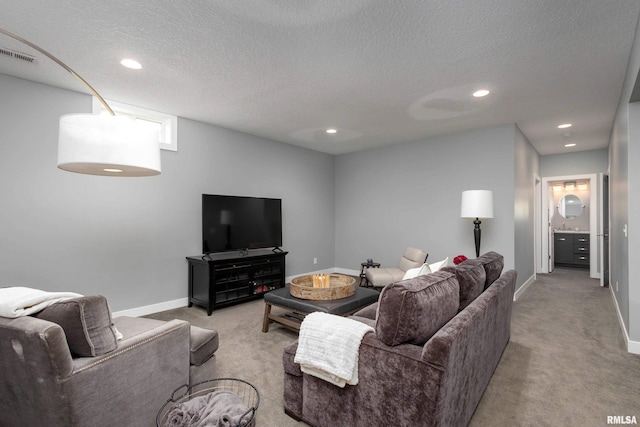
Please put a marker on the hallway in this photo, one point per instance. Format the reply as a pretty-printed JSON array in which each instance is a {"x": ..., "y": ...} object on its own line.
[{"x": 566, "y": 363}]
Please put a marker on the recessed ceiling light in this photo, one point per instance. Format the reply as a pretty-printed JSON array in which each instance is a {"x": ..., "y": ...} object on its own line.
[
  {"x": 480, "y": 93},
  {"x": 569, "y": 145},
  {"x": 131, "y": 63},
  {"x": 564, "y": 126},
  {"x": 332, "y": 130}
]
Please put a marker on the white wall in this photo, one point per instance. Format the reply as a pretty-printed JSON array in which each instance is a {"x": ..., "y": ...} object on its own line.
[
  {"x": 409, "y": 194},
  {"x": 127, "y": 238}
]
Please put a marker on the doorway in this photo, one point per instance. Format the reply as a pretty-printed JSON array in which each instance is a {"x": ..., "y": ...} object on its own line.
[{"x": 549, "y": 219}]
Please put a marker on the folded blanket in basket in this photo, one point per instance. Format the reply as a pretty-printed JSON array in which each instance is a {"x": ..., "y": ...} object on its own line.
[
  {"x": 18, "y": 301},
  {"x": 215, "y": 409},
  {"x": 328, "y": 347}
]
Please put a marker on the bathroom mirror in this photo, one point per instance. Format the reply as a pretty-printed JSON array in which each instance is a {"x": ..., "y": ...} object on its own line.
[{"x": 570, "y": 206}]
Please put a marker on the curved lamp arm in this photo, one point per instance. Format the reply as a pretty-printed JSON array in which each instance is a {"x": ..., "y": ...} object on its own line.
[{"x": 62, "y": 64}]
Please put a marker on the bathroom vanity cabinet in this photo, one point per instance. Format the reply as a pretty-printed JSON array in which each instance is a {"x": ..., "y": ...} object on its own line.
[{"x": 571, "y": 249}]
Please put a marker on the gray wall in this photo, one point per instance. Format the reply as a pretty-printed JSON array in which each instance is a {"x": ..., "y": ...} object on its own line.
[
  {"x": 618, "y": 212},
  {"x": 634, "y": 222},
  {"x": 582, "y": 162},
  {"x": 526, "y": 161},
  {"x": 624, "y": 205},
  {"x": 127, "y": 238},
  {"x": 409, "y": 194}
]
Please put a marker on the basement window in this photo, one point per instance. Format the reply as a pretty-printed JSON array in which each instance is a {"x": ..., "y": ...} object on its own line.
[{"x": 166, "y": 124}]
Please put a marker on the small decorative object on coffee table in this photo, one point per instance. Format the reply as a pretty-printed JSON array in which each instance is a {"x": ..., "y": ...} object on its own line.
[
  {"x": 363, "y": 266},
  {"x": 323, "y": 287}
]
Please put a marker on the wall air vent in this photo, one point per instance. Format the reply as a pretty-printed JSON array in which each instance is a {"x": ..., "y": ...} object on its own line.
[{"x": 17, "y": 55}]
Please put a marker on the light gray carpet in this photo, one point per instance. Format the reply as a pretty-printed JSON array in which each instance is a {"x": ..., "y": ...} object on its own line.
[{"x": 566, "y": 364}]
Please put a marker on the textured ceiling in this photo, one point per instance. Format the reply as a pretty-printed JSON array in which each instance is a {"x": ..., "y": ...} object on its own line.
[{"x": 380, "y": 72}]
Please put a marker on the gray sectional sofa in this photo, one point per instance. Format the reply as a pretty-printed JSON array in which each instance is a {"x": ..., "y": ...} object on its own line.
[
  {"x": 65, "y": 367},
  {"x": 438, "y": 339}
]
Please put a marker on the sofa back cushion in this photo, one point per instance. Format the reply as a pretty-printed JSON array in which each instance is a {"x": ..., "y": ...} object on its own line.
[
  {"x": 471, "y": 279},
  {"x": 493, "y": 264},
  {"x": 86, "y": 322},
  {"x": 411, "y": 311}
]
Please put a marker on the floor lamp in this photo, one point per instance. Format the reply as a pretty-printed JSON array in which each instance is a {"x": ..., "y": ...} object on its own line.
[{"x": 477, "y": 204}]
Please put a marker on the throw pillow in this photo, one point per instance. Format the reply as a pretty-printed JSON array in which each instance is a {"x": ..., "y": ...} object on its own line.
[
  {"x": 86, "y": 322},
  {"x": 436, "y": 266},
  {"x": 413, "y": 272},
  {"x": 411, "y": 311},
  {"x": 425, "y": 268}
]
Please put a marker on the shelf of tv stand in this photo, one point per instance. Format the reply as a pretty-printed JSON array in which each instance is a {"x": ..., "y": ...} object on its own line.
[{"x": 225, "y": 278}]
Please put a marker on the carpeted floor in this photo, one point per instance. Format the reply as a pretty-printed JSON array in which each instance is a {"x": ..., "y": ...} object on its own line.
[{"x": 566, "y": 363}]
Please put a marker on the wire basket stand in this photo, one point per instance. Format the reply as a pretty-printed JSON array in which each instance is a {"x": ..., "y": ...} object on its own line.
[{"x": 247, "y": 393}]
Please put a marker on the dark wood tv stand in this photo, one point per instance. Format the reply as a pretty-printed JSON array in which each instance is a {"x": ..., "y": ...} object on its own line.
[{"x": 221, "y": 279}]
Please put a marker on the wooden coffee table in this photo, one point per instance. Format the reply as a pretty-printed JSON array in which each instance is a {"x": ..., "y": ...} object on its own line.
[{"x": 299, "y": 308}]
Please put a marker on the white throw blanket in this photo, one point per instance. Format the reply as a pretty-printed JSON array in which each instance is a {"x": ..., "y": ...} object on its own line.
[
  {"x": 18, "y": 301},
  {"x": 328, "y": 347}
]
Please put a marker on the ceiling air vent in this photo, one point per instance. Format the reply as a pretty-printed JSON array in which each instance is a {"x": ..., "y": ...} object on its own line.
[{"x": 17, "y": 55}]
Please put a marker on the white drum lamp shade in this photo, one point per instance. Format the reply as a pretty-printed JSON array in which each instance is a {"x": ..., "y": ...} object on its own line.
[
  {"x": 107, "y": 145},
  {"x": 477, "y": 204}
]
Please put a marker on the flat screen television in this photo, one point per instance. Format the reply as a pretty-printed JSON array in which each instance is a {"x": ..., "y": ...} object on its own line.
[{"x": 231, "y": 223}]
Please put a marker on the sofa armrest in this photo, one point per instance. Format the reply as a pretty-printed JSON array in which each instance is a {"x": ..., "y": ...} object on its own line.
[
  {"x": 134, "y": 336},
  {"x": 390, "y": 378},
  {"x": 132, "y": 382},
  {"x": 43, "y": 385},
  {"x": 469, "y": 347}
]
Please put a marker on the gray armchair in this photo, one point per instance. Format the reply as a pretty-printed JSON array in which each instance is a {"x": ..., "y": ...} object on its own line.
[
  {"x": 381, "y": 277},
  {"x": 44, "y": 383}
]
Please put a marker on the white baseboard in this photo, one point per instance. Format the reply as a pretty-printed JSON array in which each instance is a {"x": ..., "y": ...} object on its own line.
[
  {"x": 632, "y": 346},
  {"x": 521, "y": 290},
  {"x": 153, "y": 308}
]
